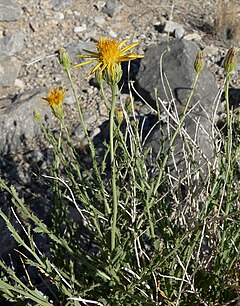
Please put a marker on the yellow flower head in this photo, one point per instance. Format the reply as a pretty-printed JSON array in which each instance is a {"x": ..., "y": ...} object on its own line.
[
  {"x": 108, "y": 58},
  {"x": 55, "y": 99}
]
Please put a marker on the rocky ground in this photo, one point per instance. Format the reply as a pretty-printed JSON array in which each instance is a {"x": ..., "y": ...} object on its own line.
[
  {"x": 34, "y": 30},
  {"x": 30, "y": 34}
]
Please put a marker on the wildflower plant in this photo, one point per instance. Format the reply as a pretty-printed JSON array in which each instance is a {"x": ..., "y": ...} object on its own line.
[
  {"x": 126, "y": 243},
  {"x": 109, "y": 57}
]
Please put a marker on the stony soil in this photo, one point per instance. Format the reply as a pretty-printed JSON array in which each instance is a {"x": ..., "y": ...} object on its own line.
[{"x": 52, "y": 24}]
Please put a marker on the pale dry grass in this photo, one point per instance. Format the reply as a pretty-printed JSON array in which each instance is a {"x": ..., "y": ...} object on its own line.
[{"x": 227, "y": 23}]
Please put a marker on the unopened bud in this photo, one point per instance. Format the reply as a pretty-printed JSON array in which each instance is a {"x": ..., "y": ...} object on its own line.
[
  {"x": 119, "y": 115},
  {"x": 199, "y": 62},
  {"x": 64, "y": 58},
  {"x": 128, "y": 104},
  {"x": 230, "y": 62},
  {"x": 37, "y": 116}
]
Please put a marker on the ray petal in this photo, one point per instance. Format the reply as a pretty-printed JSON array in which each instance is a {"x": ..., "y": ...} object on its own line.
[
  {"x": 91, "y": 52},
  {"x": 86, "y": 56},
  {"x": 122, "y": 43},
  {"x": 103, "y": 67},
  {"x": 84, "y": 63},
  {"x": 129, "y": 47},
  {"x": 95, "y": 68}
]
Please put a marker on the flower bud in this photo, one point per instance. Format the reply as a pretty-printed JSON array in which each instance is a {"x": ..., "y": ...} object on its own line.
[
  {"x": 119, "y": 115},
  {"x": 64, "y": 58},
  {"x": 199, "y": 62},
  {"x": 128, "y": 104},
  {"x": 37, "y": 116},
  {"x": 230, "y": 62}
]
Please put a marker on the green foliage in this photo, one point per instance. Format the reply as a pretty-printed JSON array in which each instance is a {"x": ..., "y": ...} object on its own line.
[{"x": 165, "y": 247}]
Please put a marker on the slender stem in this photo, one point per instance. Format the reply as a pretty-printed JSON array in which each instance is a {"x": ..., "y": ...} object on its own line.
[
  {"x": 229, "y": 142},
  {"x": 114, "y": 187},
  {"x": 106, "y": 103},
  {"x": 91, "y": 146},
  {"x": 229, "y": 135}
]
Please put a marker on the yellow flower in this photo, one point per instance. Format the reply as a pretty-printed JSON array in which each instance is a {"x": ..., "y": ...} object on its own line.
[
  {"x": 55, "y": 99},
  {"x": 108, "y": 57}
]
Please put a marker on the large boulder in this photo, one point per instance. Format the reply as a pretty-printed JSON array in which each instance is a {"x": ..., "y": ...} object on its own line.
[
  {"x": 176, "y": 59},
  {"x": 194, "y": 144}
]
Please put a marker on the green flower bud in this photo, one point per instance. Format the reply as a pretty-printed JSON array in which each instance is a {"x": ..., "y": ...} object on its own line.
[
  {"x": 37, "y": 116},
  {"x": 119, "y": 115},
  {"x": 64, "y": 58}
]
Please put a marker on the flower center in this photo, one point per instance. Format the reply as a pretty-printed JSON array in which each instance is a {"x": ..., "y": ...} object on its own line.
[{"x": 108, "y": 52}]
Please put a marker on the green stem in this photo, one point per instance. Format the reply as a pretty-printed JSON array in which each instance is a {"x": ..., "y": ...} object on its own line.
[
  {"x": 229, "y": 143},
  {"x": 91, "y": 146},
  {"x": 229, "y": 134},
  {"x": 114, "y": 187}
]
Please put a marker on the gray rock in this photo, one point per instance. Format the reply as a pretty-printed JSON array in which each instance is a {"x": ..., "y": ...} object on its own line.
[
  {"x": 60, "y": 4},
  {"x": 178, "y": 66},
  {"x": 179, "y": 32},
  {"x": 211, "y": 50},
  {"x": 9, "y": 68},
  {"x": 112, "y": 9},
  {"x": 11, "y": 44},
  {"x": 192, "y": 148},
  {"x": 9, "y": 10},
  {"x": 76, "y": 49},
  {"x": 192, "y": 36},
  {"x": 17, "y": 124},
  {"x": 79, "y": 133},
  {"x": 89, "y": 119},
  {"x": 100, "y": 4},
  {"x": 170, "y": 26},
  {"x": 69, "y": 98}
]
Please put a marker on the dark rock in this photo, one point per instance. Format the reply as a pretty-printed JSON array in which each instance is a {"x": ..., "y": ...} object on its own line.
[
  {"x": 178, "y": 67},
  {"x": 11, "y": 44},
  {"x": 9, "y": 68},
  {"x": 9, "y": 10},
  {"x": 17, "y": 124},
  {"x": 192, "y": 148}
]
